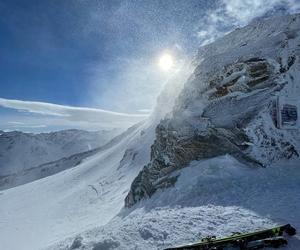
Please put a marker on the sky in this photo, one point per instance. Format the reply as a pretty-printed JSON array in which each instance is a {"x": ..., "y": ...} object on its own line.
[{"x": 93, "y": 64}]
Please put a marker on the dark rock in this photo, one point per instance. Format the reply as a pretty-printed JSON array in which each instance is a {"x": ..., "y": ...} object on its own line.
[
  {"x": 106, "y": 245},
  {"x": 77, "y": 243}
]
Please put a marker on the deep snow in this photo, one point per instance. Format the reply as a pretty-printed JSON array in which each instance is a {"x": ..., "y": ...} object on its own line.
[{"x": 212, "y": 197}]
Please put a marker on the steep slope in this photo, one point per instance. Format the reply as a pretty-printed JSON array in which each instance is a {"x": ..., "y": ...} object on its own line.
[
  {"x": 45, "y": 211},
  {"x": 50, "y": 168},
  {"x": 226, "y": 106},
  {"x": 20, "y": 151}
]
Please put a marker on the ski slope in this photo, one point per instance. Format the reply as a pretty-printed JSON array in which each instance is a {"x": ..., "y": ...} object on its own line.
[{"x": 45, "y": 211}]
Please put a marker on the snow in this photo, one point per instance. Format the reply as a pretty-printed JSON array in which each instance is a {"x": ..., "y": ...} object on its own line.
[
  {"x": 43, "y": 212},
  {"x": 211, "y": 197},
  {"x": 20, "y": 151},
  {"x": 162, "y": 227}
]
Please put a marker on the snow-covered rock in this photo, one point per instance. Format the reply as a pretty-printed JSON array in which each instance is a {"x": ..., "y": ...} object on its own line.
[{"x": 227, "y": 104}]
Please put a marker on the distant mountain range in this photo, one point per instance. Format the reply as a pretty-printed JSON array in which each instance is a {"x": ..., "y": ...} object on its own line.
[{"x": 21, "y": 152}]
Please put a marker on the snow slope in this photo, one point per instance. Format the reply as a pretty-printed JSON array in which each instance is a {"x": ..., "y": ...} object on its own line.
[
  {"x": 45, "y": 211},
  {"x": 211, "y": 197},
  {"x": 50, "y": 168},
  {"x": 20, "y": 151}
]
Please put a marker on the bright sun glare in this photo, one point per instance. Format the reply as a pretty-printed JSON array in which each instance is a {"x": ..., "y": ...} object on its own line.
[{"x": 166, "y": 62}]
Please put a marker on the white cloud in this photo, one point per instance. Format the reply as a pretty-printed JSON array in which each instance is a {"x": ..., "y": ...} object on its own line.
[
  {"x": 16, "y": 123},
  {"x": 243, "y": 11},
  {"x": 20, "y": 125},
  {"x": 235, "y": 13},
  {"x": 147, "y": 111},
  {"x": 81, "y": 117}
]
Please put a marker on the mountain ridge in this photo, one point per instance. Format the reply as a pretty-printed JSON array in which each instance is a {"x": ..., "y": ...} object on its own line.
[
  {"x": 227, "y": 104},
  {"x": 36, "y": 152}
]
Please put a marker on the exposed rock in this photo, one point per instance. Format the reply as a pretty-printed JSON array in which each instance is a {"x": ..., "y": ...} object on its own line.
[
  {"x": 218, "y": 110},
  {"x": 77, "y": 243},
  {"x": 108, "y": 244},
  {"x": 128, "y": 157},
  {"x": 218, "y": 130}
]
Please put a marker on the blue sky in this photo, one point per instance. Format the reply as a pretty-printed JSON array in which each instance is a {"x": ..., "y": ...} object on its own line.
[
  {"x": 102, "y": 54},
  {"x": 49, "y": 49}
]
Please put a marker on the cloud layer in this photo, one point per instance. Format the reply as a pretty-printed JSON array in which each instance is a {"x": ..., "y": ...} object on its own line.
[{"x": 60, "y": 115}]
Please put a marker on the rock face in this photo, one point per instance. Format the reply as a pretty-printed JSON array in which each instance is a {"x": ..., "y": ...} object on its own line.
[{"x": 226, "y": 105}]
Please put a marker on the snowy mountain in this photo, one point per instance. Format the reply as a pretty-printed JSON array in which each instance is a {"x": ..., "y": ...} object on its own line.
[
  {"x": 218, "y": 162},
  {"x": 24, "y": 153},
  {"x": 71, "y": 201},
  {"x": 226, "y": 106}
]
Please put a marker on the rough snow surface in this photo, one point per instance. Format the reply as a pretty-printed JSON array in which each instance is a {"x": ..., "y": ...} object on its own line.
[
  {"x": 212, "y": 197},
  {"x": 162, "y": 227}
]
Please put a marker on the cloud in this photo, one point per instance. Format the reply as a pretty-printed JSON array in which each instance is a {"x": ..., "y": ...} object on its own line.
[
  {"x": 235, "y": 13},
  {"x": 147, "y": 111},
  {"x": 19, "y": 125},
  {"x": 16, "y": 123},
  {"x": 81, "y": 117}
]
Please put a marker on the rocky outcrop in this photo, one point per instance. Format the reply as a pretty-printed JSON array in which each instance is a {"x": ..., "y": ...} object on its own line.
[
  {"x": 219, "y": 109},
  {"x": 172, "y": 151},
  {"x": 217, "y": 131}
]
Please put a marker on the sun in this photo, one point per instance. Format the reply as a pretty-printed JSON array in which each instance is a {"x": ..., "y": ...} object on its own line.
[{"x": 166, "y": 62}]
